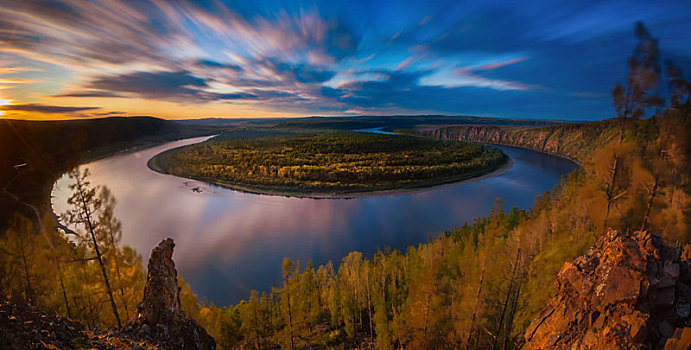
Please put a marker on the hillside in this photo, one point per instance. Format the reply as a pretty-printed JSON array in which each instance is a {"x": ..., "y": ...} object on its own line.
[
  {"x": 159, "y": 323},
  {"x": 34, "y": 153},
  {"x": 409, "y": 121}
]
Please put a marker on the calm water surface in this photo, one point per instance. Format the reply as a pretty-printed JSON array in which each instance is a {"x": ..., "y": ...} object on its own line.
[{"x": 228, "y": 242}]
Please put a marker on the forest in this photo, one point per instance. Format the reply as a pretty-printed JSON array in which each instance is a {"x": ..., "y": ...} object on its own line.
[
  {"x": 331, "y": 162},
  {"x": 476, "y": 285}
]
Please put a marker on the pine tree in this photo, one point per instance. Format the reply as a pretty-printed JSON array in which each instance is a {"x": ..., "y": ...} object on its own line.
[{"x": 85, "y": 207}]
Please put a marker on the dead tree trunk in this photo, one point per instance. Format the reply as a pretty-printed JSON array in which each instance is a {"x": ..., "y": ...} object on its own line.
[
  {"x": 610, "y": 185},
  {"x": 477, "y": 301},
  {"x": 509, "y": 294},
  {"x": 649, "y": 205}
]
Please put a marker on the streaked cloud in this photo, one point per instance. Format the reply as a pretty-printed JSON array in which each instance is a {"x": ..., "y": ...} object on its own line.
[
  {"x": 533, "y": 59},
  {"x": 40, "y": 108},
  {"x": 15, "y": 81},
  {"x": 179, "y": 85},
  {"x": 90, "y": 93}
]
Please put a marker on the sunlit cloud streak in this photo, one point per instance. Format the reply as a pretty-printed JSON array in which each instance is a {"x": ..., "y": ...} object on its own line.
[
  {"x": 35, "y": 107},
  {"x": 528, "y": 59}
]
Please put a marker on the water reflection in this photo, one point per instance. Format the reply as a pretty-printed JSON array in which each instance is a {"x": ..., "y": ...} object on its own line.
[{"x": 231, "y": 242}]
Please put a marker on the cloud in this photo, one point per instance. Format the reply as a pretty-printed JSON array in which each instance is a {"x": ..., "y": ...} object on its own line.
[
  {"x": 405, "y": 63},
  {"x": 41, "y": 108},
  {"x": 304, "y": 73},
  {"x": 77, "y": 33},
  {"x": 326, "y": 58},
  {"x": 467, "y": 76},
  {"x": 499, "y": 63},
  {"x": 11, "y": 70},
  {"x": 181, "y": 86},
  {"x": 217, "y": 65},
  {"x": 153, "y": 85},
  {"x": 15, "y": 81},
  {"x": 109, "y": 113},
  {"x": 89, "y": 93},
  {"x": 378, "y": 93},
  {"x": 233, "y": 96}
]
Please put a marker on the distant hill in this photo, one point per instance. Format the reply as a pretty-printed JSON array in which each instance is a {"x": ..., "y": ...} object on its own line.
[
  {"x": 364, "y": 122},
  {"x": 409, "y": 121}
]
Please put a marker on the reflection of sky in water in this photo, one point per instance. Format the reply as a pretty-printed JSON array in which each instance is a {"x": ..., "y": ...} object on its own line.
[{"x": 230, "y": 242}]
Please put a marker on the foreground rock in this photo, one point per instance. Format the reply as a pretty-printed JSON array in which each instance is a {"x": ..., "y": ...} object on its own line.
[
  {"x": 26, "y": 327},
  {"x": 628, "y": 292},
  {"x": 160, "y": 322},
  {"x": 160, "y": 319}
]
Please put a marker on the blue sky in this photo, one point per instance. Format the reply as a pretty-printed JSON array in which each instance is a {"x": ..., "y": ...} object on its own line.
[{"x": 197, "y": 59}]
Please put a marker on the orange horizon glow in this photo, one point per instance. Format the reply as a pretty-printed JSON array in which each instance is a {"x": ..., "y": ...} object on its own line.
[{"x": 136, "y": 107}]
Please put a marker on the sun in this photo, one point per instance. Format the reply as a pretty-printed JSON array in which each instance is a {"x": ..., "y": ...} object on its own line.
[{"x": 4, "y": 103}]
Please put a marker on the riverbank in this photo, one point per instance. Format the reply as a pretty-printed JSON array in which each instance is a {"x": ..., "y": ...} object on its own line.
[
  {"x": 41, "y": 151},
  {"x": 131, "y": 147}
]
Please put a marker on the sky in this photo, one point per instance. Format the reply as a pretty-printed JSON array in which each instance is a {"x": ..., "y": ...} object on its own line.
[{"x": 224, "y": 59}]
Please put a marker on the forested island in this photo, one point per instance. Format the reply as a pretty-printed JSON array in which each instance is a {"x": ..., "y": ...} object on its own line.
[{"x": 331, "y": 163}]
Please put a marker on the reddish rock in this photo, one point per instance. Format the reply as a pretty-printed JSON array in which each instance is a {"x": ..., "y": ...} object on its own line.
[
  {"x": 619, "y": 284},
  {"x": 681, "y": 340},
  {"x": 686, "y": 253},
  {"x": 628, "y": 292}
]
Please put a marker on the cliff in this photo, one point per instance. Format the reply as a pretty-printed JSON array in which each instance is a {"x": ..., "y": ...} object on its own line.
[
  {"x": 627, "y": 292},
  {"x": 575, "y": 141}
]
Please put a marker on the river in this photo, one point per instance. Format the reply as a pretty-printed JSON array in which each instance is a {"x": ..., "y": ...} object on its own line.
[{"x": 229, "y": 242}]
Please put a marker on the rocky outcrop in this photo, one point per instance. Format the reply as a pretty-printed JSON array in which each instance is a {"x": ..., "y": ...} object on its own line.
[
  {"x": 160, "y": 318},
  {"x": 627, "y": 292}
]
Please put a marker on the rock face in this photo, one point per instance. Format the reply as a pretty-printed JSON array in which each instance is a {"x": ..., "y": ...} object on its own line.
[
  {"x": 576, "y": 141},
  {"x": 628, "y": 292},
  {"x": 160, "y": 318}
]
